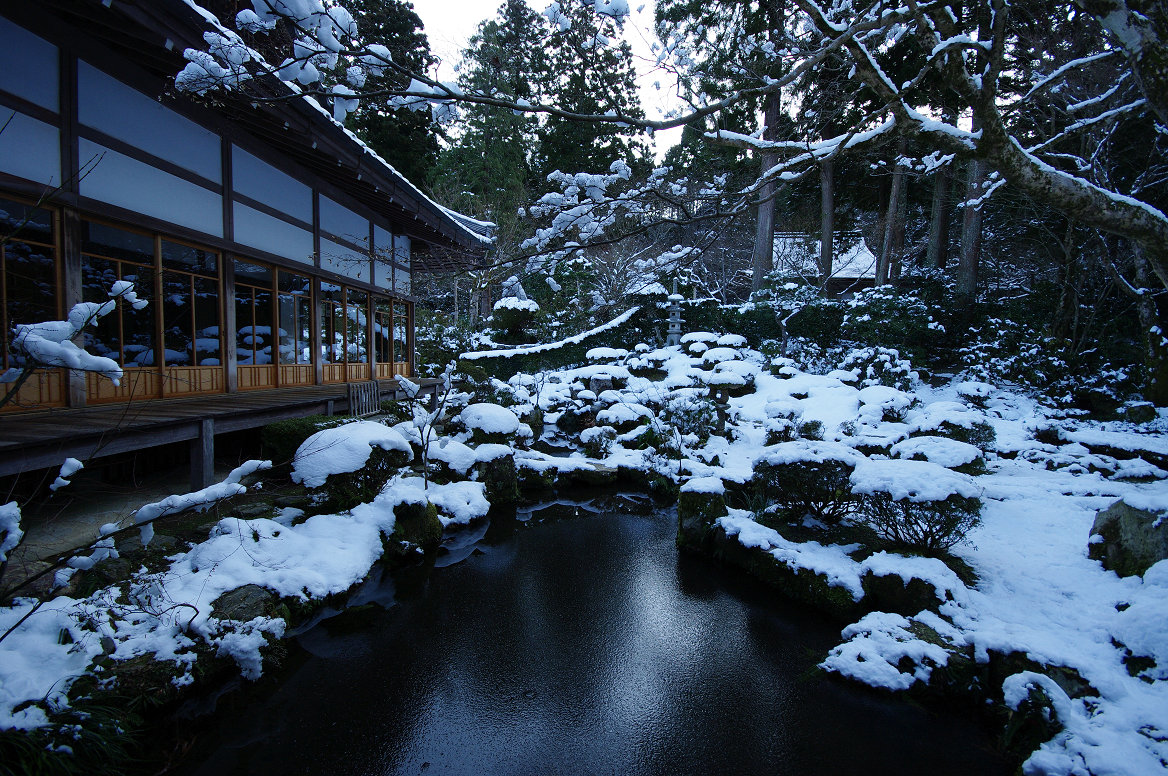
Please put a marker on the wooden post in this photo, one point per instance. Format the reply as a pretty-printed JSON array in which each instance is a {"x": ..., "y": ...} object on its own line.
[{"x": 203, "y": 455}]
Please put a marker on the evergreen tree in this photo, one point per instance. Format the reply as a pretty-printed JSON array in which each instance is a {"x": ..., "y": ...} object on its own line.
[
  {"x": 589, "y": 71},
  {"x": 487, "y": 168},
  {"x": 407, "y": 139}
]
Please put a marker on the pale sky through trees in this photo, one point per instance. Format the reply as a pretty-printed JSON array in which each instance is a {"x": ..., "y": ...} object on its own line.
[{"x": 450, "y": 23}]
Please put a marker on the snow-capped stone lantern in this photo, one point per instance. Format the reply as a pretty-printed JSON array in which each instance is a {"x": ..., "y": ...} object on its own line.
[{"x": 673, "y": 333}]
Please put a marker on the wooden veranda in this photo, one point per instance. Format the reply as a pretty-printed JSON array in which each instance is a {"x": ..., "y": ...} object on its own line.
[{"x": 41, "y": 440}]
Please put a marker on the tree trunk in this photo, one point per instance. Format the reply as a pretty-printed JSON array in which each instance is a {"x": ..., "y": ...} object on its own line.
[
  {"x": 1155, "y": 387},
  {"x": 826, "y": 219},
  {"x": 763, "y": 260},
  {"x": 967, "y": 263},
  {"x": 938, "y": 250},
  {"x": 892, "y": 222}
]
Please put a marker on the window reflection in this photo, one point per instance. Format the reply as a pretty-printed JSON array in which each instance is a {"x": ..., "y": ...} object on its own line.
[
  {"x": 295, "y": 303},
  {"x": 108, "y": 255},
  {"x": 344, "y": 325},
  {"x": 28, "y": 271},
  {"x": 254, "y": 313}
]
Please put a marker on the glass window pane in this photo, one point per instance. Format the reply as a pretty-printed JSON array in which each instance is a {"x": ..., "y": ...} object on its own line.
[
  {"x": 343, "y": 260},
  {"x": 138, "y": 325},
  {"x": 30, "y": 149},
  {"x": 207, "y": 329},
  {"x": 357, "y": 321},
  {"x": 120, "y": 111},
  {"x": 104, "y": 338},
  {"x": 259, "y": 180},
  {"x": 295, "y": 313},
  {"x": 260, "y": 230},
  {"x": 383, "y": 330},
  {"x": 189, "y": 259},
  {"x": 134, "y": 185},
  {"x": 177, "y": 320},
  {"x": 29, "y": 65},
  {"x": 342, "y": 222},
  {"x": 30, "y": 278},
  {"x": 244, "y": 323},
  {"x": 114, "y": 243},
  {"x": 253, "y": 274}
]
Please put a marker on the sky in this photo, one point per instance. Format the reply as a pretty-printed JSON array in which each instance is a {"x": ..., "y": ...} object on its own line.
[{"x": 450, "y": 23}]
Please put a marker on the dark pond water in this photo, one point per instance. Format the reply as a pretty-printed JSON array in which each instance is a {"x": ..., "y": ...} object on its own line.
[{"x": 577, "y": 646}]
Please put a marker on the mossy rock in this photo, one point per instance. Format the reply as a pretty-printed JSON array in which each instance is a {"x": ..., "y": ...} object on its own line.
[
  {"x": 1127, "y": 540},
  {"x": 890, "y": 593},
  {"x": 348, "y": 489},
  {"x": 500, "y": 478},
  {"x": 696, "y": 515},
  {"x": 416, "y": 525},
  {"x": 283, "y": 438},
  {"x": 245, "y": 603},
  {"x": 575, "y": 421},
  {"x": 535, "y": 481},
  {"x": 802, "y": 585},
  {"x": 1138, "y": 412}
]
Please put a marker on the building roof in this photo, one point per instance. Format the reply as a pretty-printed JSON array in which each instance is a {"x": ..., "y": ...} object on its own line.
[{"x": 153, "y": 34}]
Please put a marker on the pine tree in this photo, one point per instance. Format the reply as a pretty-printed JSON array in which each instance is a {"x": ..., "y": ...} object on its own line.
[
  {"x": 487, "y": 169},
  {"x": 407, "y": 139},
  {"x": 589, "y": 71}
]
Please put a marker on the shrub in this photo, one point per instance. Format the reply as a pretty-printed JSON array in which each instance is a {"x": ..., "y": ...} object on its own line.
[
  {"x": 281, "y": 439},
  {"x": 808, "y": 478},
  {"x": 929, "y": 527},
  {"x": 691, "y": 414},
  {"x": 919, "y": 505},
  {"x": 880, "y": 366},
  {"x": 885, "y": 317}
]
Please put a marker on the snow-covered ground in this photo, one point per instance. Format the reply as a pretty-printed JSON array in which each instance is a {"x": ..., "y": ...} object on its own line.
[{"x": 1037, "y": 594}]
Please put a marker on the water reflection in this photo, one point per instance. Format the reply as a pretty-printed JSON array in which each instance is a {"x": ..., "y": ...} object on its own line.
[{"x": 584, "y": 646}]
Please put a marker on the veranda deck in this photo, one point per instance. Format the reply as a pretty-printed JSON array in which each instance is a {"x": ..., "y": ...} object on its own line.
[{"x": 40, "y": 440}]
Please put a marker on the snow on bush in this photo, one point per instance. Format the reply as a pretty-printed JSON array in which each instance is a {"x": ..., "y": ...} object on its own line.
[
  {"x": 939, "y": 450},
  {"x": 880, "y": 366},
  {"x": 491, "y": 419},
  {"x": 917, "y": 504},
  {"x": 343, "y": 449}
]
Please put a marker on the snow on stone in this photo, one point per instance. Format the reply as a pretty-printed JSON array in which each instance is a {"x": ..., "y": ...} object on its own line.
[
  {"x": 916, "y": 481},
  {"x": 343, "y": 449},
  {"x": 454, "y": 454},
  {"x": 809, "y": 451},
  {"x": 874, "y": 647},
  {"x": 606, "y": 354},
  {"x": 832, "y": 561},
  {"x": 10, "y": 531},
  {"x": 716, "y": 354},
  {"x": 732, "y": 341},
  {"x": 885, "y": 398},
  {"x": 699, "y": 336},
  {"x": 932, "y": 416},
  {"x": 943, "y": 451},
  {"x": 489, "y": 418},
  {"x": 910, "y": 567},
  {"x": 712, "y": 485}
]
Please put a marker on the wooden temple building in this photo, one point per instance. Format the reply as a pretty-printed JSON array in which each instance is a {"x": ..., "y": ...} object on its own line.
[{"x": 275, "y": 250}]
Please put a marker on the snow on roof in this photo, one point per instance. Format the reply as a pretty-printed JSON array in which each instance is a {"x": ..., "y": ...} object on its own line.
[{"x": 480, "y": 231}]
